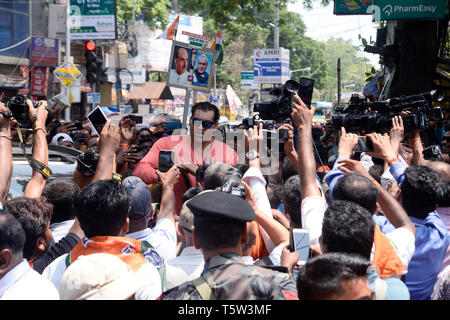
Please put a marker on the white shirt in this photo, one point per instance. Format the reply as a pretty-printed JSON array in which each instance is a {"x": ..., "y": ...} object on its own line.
[
  {"x": 254, "y": 178},
  {"x": 181, "y": 79},
  {"x": 55, "y": 270},
  {"x": 23, "y": 283},
  {"x": 403, "y": 241},
  {"x": 186, "y": 267},
  {"x": 313, "y": 209},
  {"x": 61, "y": 229},
  {"x": 163, "y": 237}
]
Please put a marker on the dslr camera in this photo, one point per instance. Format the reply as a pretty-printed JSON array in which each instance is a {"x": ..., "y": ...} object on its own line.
[
  {"x": 20, "y": 111},
  {"x": 19, "y": 108},
  {"x": 432, "y": 153},
  {"x": 87, "y": 162},
  {"x": 232, "y": 183}
]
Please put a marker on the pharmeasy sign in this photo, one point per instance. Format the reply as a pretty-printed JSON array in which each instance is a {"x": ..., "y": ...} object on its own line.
[
  {"x": 411, "y": 9},
  {"x": 271, "y": 65},
  {"x": 92, "y": 19}
]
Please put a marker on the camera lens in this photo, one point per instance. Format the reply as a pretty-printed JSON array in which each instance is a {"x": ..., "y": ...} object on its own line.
[{"x": 291, "y": 86}]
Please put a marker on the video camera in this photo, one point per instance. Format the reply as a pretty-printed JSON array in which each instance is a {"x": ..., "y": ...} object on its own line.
[
  {"x": 362, "y": 116},
  {"x": 279, "y": 108}
]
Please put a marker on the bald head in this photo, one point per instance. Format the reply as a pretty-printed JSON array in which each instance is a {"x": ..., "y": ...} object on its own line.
[
  {"x": 440, "y": 167},
  {"x": 181, "y": 60},
  {"x": 214, "y": 175}
]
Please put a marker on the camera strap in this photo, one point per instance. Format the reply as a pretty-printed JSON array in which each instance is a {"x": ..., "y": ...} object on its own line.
[{"x": 35, "y": 164}]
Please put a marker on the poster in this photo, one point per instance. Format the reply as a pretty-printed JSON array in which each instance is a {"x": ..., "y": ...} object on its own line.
[{"x": 190, "y": 67}]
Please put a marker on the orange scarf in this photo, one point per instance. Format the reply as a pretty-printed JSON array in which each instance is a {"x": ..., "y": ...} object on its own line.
[
  {"x": 258, "y": 250},
  {"x": 385, "y": 257},
  {"x": 127, "y": 249}
]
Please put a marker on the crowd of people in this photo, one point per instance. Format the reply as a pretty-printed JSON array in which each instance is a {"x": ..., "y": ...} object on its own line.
[{"x": 220, "y": 223}]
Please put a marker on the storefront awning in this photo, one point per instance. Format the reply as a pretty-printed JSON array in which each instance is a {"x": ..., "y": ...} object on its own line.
[{"x": 151, "y": 90}]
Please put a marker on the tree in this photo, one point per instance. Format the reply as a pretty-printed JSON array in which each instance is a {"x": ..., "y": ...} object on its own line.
[
  {"x": 154, "y": 11},
  {"x": 353, "y": 66}
]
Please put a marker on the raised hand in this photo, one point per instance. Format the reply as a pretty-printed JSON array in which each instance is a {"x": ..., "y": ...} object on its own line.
[
  {"x": 397, "y": 132},
  {"x": 347, "y": 143}
]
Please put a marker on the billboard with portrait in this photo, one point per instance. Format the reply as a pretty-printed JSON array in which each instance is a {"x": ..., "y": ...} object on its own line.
[{"x": 190, "y": 67}]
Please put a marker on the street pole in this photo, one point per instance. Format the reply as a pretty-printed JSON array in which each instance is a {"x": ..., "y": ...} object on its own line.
[
  {"x": 118, "y": 81},
  {"x": 276, "y": 31},
  {"x": 339, "y": 81},
  {"x": 67, "y": 89},
  {"x": 187, "y": 99},
  {"x": 134, "y": 13}
]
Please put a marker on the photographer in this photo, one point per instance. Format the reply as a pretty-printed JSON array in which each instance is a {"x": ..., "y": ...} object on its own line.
[{"x": 5, "y": 153}]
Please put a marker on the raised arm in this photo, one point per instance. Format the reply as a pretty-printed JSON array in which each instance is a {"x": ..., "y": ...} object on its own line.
[
  {"x": 5, "y": 153},
  {"x": 40, "y": 148},
  {"x": 302, "y": 118},
  {"x": 168, "y": 202},
  {"x": 276, "y": 232},
  {"x": 392, "y": 209},
  {"x": 108, "y": 145}
]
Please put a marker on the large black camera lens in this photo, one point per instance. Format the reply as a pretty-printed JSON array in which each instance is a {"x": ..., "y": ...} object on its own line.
[{"x": 291, "y": 86}]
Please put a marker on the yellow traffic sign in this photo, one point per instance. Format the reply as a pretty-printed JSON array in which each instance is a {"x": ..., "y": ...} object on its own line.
[{"x": 68, "y": 73}]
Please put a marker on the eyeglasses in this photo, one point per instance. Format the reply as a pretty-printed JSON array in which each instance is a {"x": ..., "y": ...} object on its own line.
[
  {"x": 203, "y": 63},
  {"x": 205, "y": 123},
  {"x": 447, "y": 138}
]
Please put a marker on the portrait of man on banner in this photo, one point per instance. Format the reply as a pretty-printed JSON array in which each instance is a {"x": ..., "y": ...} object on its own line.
[
  {"x": 202, "y": 69},
  {"x": 180, "y": 67}
]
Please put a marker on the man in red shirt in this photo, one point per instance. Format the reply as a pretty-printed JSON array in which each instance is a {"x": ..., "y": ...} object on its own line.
[{"x": 190, "y": 150}]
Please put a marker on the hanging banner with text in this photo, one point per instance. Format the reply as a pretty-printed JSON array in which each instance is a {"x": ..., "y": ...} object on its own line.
[
  {"x": 39, "y": 80},
  {"x": 92, "y": 19}
]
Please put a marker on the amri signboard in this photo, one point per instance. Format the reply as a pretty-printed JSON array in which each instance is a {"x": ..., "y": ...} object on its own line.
[
  {"x": 92, "y": 19},
  {"x": 271, "y": 65}
]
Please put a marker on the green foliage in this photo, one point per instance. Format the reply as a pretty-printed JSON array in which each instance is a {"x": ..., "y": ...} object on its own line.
[
  {"x": 154, "y": 11},
  {"x": 353, "y": 66}
]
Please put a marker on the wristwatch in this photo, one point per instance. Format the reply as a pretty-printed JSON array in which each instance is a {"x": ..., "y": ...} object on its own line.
[{"x": 252, "y": 155}]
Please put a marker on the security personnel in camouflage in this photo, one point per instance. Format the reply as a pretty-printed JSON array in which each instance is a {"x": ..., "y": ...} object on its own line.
[{"x": 220, "y": 231}]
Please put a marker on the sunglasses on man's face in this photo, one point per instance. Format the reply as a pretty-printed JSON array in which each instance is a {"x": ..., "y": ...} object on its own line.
[
  {"x": 205, "y": 123},
  {"x": 447, "y": 139}
]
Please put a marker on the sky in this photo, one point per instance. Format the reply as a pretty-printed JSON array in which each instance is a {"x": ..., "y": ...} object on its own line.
[{"x": 322, "y": 24}]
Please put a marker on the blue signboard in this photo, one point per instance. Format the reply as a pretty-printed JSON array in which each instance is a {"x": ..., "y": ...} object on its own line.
[{"x": 271, "y": 65}]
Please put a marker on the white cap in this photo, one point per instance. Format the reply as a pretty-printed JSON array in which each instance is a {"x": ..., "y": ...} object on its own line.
[
  {"x": 60, "y": 138},
  {"x": 101, "y": 276}
]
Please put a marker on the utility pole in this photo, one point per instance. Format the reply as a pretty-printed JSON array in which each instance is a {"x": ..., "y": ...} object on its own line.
[
  {"x": 339, "y": 81},
  {"x": 276, "y": 31},
  {"x": 118, "y": 81},
  {"x": 68, "y": 58},
  {"x": 134, "y": 13}
]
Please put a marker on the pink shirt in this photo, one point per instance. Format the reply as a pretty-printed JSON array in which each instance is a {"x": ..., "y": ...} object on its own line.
[{"x": 184, "y": 153}]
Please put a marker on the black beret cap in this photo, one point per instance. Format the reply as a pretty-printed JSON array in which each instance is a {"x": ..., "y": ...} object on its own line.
[{"x": 218, "y": 205}]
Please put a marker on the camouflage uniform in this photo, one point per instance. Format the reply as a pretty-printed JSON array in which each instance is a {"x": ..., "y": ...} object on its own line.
[{"x": 229, "y": 278}]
